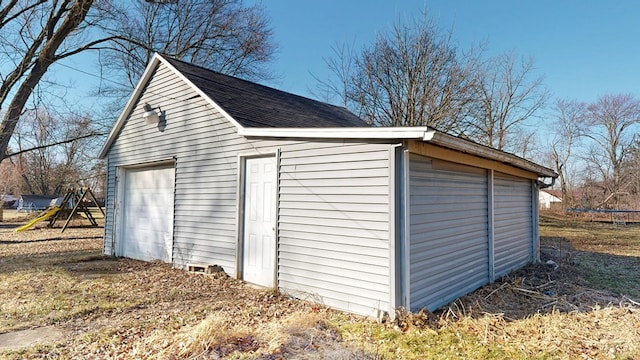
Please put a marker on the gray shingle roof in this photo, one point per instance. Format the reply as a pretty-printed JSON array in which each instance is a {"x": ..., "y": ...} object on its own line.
[{"x": 259, "y": 106}]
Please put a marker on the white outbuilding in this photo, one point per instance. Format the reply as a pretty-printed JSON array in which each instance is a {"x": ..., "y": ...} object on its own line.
[
  {"x": 549, "y": 198},
  {"x": 287, "y": 192}
]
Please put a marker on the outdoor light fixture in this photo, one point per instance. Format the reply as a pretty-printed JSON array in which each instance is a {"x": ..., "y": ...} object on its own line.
[{"x": 150, "y": 116}]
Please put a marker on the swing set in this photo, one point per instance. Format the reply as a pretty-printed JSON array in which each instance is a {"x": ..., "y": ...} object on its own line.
[{"x": 73, "y": 203}]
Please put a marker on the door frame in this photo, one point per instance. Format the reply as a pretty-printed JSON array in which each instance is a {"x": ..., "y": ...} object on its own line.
[
  {"x": 120, "y": 194},
  {"x": 240, "y": 216}
]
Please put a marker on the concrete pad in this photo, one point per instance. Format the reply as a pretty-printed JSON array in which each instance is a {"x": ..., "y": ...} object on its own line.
[{"x": 26, "y": 338}]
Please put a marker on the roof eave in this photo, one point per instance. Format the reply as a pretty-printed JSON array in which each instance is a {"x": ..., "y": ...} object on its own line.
[
  {"x": 455, "y": 143},
  {"x": 420, "y": 133},
  {"x": 404, "y": 133}
]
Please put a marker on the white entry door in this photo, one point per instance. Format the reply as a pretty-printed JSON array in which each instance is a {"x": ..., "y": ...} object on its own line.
[
  {"x": 259, "y": 250},
  {"x": 147, "y": 229}
]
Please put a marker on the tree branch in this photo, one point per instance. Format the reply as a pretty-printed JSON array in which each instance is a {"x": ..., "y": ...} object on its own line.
[{"x": 66, "y": 141}]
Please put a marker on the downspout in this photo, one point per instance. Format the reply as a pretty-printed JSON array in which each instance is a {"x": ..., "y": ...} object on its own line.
[
  {"x": 535, "y": 204},
  {"x": 535, "y": 214},
  {"x": 396, "y": 227},
  {"x": 405, "y": 240},
  {"x": 535, "y": 218},
  {"x": 543, "y": 185}
]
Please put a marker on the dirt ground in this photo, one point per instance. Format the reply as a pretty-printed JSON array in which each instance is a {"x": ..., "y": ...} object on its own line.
[
  {"x": 63, "y": 299},
  {"x": 91, "y": 306}
]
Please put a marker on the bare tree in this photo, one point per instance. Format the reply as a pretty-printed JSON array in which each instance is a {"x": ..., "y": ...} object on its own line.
[
  {"x": 338, "y": 83},
  {"x": 568, "y": 128},
  {"x": 9, "y": 178},
  {"x": 413, "y": 76},
  {"x": 416, "y": 76},
  {"x": 223, "y": 35},
  {"x": 507, "y": 95},
  {"x": 36, "y": 34},
  {"x": 613, "y": 124},
  {"x": 47, "y": 169}
]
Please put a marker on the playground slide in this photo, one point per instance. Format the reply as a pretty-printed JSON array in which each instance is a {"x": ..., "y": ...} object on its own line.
[{"x": 47, "y": 214}]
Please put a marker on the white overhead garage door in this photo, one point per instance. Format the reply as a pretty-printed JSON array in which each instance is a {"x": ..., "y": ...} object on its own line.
[
  {"x": 448, "y": 231},
  {"x": 513, "y": 223},
  {"x": 147, "y": 214}
]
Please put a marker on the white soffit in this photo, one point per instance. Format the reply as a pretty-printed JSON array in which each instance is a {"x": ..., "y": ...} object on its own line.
[{"x": 408, "y": 133}]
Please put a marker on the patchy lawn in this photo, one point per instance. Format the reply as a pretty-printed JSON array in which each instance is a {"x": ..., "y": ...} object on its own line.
[{"x": 581, "y": 304}]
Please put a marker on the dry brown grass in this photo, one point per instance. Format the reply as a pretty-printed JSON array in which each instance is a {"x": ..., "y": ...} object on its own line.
[
  {"x": 128, "y": 309},
  {"x": 11, "y": 215},
  {"x": 583, "y": 306},
  {"x": 295, "y": 334}
]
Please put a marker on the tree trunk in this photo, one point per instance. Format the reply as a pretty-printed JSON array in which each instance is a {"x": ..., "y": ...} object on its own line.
[{"x": 46, "y": 57}]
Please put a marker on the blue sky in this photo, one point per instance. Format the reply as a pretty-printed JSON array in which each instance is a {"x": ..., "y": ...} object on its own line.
[{"x": 584, "y": 49}]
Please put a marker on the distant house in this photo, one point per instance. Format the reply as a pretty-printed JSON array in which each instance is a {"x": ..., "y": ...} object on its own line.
[
  {"x": 549, "y": 199},
  {"x": 29, "y": 203},
  {"x": 295, "y": 194},
  {"x": 8, "y": 201}
]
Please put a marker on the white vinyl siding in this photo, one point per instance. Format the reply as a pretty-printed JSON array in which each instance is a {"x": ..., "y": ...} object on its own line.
[
  {"x": 448, "y": 224},
  {"x": 334, "y": 225},
  {"x": 109, "y": 206},
  {"x": 333, "y": 217},
  {"x": 513, "y": 228},
  {"x": 205, "y": 147}
]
